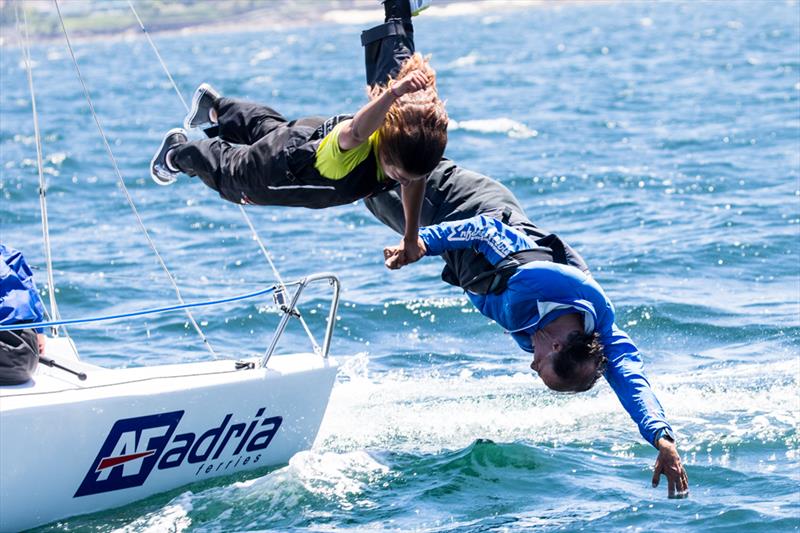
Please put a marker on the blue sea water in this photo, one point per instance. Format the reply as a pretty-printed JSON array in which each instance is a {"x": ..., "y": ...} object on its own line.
[{"x": 662, "y": 140}]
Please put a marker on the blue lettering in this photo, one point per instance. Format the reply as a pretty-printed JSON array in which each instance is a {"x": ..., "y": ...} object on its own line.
[
  {"x": 179, "y": 451},
  {"x": 195, "y": 456},
  {"x": 262, "y": 439}
]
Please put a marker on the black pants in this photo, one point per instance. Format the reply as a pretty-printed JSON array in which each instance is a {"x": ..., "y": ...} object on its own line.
[
  {"x": 451, "y": 192},
  {"x": 386, "y": 47},
  {"x": 252, "y": 159},
  {"x": 258, "y": 157},
  {"x": 19, "y": 355}
]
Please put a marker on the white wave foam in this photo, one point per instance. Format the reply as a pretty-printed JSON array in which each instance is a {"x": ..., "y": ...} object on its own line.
[
  {"x": 505, "y": 125},
  {"x": 354, "y": 16},
  {"x": 734, "y": 404},
  {"x": 265, "y": 54},
  {"x": 456, "y": 9},
  {"x": 468, "y": 60},
  {"x": 262, "y": 81},
  {"x": 429, "y": 413},
  {"x": 55, "y": 55},
  {"x": 415, "y": 413},
  {"x": 24, "y": 66},
  {"x": 477, "y": 7},
  {"x": 172, "y": 517},
  {"x": 336, "y": 477}
]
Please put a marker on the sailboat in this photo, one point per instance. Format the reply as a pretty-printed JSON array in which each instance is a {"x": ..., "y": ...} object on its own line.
[
  {"x": 89, "y": 438},
  {"x": 79, "y": 438}
]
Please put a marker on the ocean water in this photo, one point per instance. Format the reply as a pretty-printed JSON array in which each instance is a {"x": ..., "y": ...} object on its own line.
[{"x": 662, "y": 140}]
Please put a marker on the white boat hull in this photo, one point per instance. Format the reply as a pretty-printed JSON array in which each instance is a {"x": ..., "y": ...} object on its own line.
[{"x": 70, "y": 447}]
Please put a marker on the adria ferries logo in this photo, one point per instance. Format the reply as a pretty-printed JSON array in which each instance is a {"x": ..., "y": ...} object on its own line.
[{"x": 135, "y": 446}]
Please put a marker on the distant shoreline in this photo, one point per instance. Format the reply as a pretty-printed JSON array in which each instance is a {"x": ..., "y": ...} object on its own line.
[{"x": 279, "y": 15}]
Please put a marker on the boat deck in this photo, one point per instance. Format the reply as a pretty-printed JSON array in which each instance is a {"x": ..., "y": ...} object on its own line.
[{"x": 49, "y": 381}]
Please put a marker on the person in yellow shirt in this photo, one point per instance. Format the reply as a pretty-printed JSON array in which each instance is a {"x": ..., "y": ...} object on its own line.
[{"x": 256, "y": 156}]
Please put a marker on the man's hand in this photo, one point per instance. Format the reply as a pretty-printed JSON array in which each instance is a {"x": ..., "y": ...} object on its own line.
[
  {"x": 407, "y": 252},
  {"x": 669, "y": 464},
  {"x": 413, "y": 81}
]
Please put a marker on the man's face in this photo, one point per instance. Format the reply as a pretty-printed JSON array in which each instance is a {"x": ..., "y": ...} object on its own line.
[
  {"x": 543, "y": 366},
  {"x": 545, "y": 346}
]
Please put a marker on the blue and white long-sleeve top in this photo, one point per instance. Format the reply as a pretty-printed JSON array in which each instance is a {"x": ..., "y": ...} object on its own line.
[
  {"x": 19, "y": 299},
  {"x": 541, "y": 291}
]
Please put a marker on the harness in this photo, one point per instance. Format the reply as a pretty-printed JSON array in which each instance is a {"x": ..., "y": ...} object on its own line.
[
  {"x": 494, "y": 278},
  {"x": 300, "y": 152}
]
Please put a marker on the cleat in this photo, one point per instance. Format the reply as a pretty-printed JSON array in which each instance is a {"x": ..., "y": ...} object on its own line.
[
  {"x": 202, "y": 103},
  {"x": 160, "y": 170}
]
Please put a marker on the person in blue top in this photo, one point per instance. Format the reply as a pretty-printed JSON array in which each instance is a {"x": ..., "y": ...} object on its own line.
[
  {"x": 19, "y": 304},
  {"x": 560, "y": 314},
  {"x": 532, "y": 283}
]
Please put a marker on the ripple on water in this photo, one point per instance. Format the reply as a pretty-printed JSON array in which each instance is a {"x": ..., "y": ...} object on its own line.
[{"x": 659, "y": 139}]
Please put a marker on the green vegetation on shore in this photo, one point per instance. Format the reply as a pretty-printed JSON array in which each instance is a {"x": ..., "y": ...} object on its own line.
[{"x": 89, "y": 17}]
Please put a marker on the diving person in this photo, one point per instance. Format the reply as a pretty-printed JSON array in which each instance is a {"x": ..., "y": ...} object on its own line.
[
  {"x": 555, "y": 310},
  {"x": 530, "y": 282},
  {"x": 256, "y": 156}
]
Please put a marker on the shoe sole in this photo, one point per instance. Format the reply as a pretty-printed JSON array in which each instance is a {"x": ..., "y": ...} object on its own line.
[
  {"x": 158, "y": 179},
  {"x": 425, "y": 6},
  {"x": 198, "y": 94},
  {"x": 418, "y": 11}
]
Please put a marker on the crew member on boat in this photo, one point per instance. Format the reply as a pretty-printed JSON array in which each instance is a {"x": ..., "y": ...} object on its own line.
[
  {"x": 530, "y": 282},
  {"x": 19, "y": 304}
]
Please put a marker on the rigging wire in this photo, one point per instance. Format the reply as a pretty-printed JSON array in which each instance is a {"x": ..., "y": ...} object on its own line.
[
  {"x": 125, "y": 189},
  {"x": 246, "y": 217},
  {"x": 158, "y": 55},
  {"x": 151, "y": 278},
  {"x": 167, "y": 309},
  {"x": 26, "y": 54}
]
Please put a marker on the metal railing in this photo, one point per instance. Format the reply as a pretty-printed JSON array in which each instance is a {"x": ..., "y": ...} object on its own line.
[{"x": 289, "y": 310}]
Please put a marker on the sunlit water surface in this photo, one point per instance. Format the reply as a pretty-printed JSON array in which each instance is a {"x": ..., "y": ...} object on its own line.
[{"x": 661, "y": 140}]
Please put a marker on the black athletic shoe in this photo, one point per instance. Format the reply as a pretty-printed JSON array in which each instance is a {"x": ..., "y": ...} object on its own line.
[
  {"x": 160, "y": 171},
  {"x": 202, "y": 102}
]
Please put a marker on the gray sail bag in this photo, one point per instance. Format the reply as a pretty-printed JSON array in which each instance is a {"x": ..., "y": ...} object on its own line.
[{"x": 19, "y": 355}]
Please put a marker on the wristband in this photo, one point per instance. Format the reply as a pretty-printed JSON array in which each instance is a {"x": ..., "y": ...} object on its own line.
[{"x": 665, "y": 433}]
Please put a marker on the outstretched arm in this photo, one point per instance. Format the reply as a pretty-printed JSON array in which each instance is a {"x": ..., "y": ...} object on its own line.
[
  {"x": 487, "y": 235},
  {"x": 625, "y": 374},
  {"x": 370, "y": 117},
  {"x": 409, "y": 250}
]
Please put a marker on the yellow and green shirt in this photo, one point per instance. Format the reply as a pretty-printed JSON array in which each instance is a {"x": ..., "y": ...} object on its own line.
[{"x": 334, "y": 163}]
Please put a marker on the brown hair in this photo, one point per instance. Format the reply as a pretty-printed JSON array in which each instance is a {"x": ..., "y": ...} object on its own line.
[
  {"x": 580, "y": 349},
  {"x": 414, "y": 134}
]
